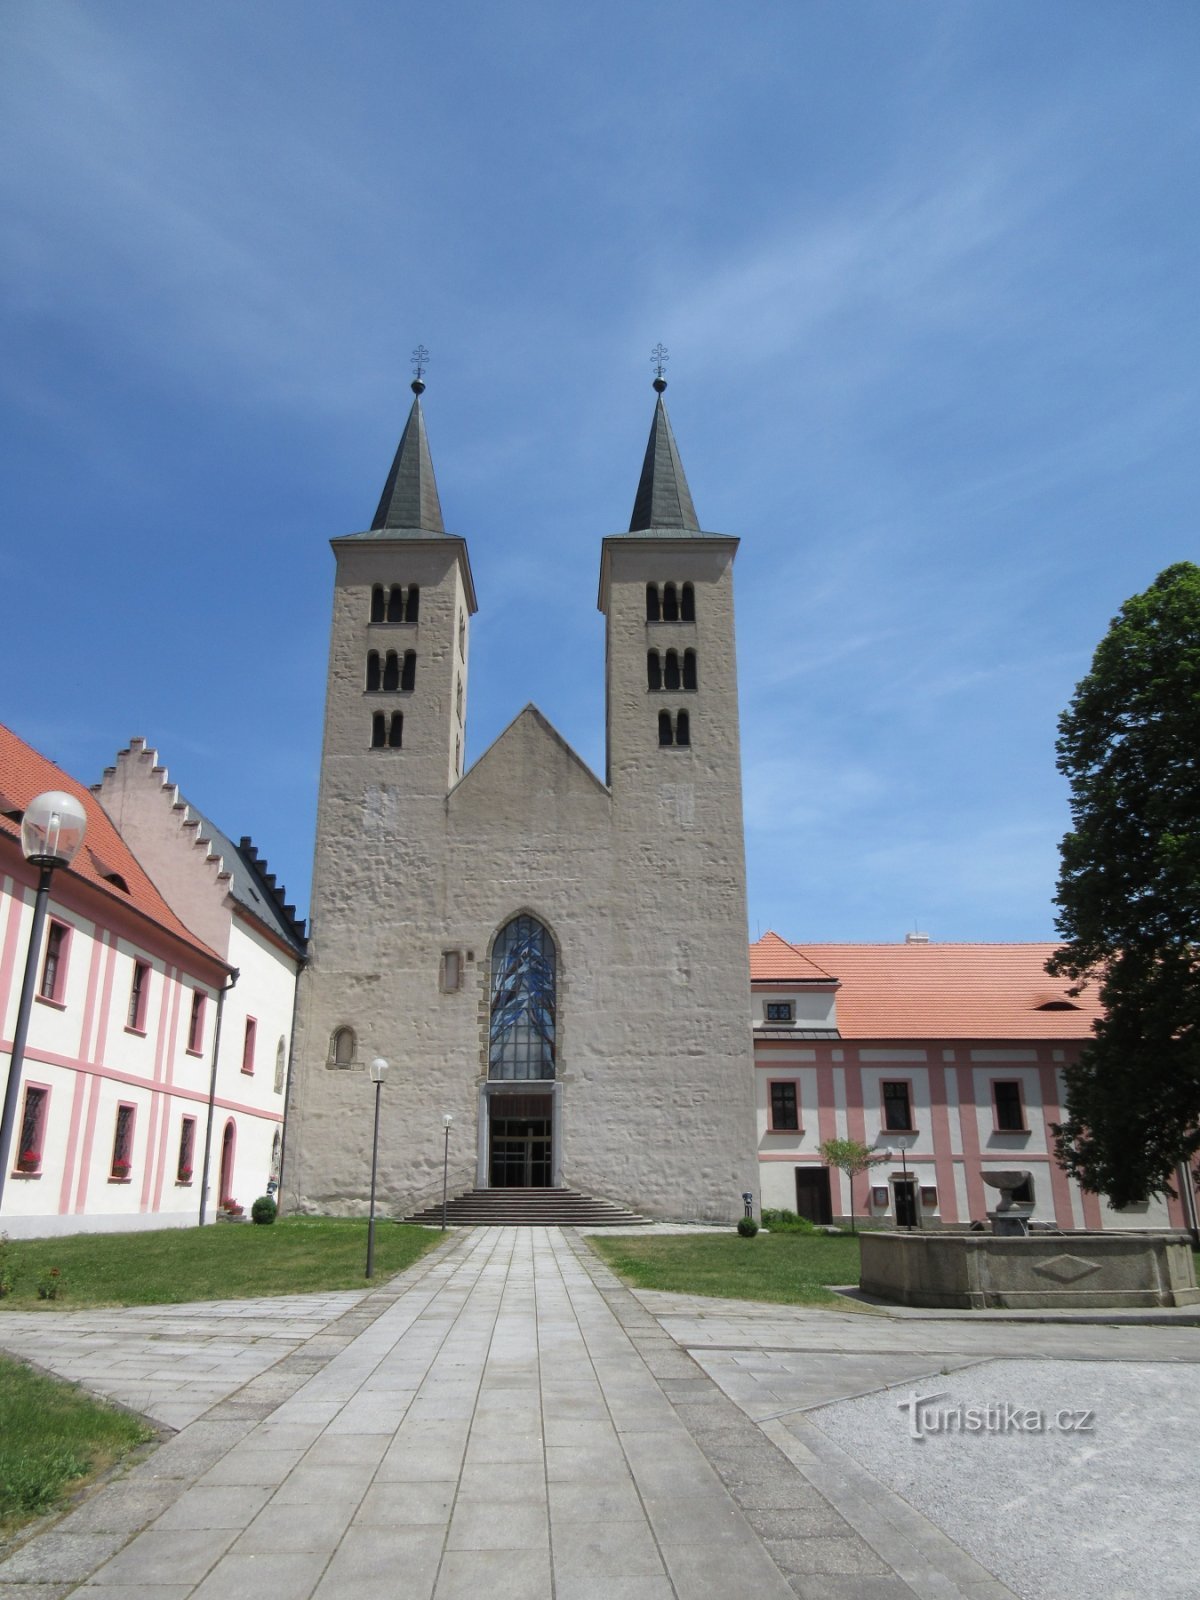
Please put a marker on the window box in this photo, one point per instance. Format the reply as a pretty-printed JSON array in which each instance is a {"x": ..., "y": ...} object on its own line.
[{"x": 29, "y": 1162}]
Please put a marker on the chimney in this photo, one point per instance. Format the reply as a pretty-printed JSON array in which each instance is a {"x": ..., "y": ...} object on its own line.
[{"x": 916, "y": 938}]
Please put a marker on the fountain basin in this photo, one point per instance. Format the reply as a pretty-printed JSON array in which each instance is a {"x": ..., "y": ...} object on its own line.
[{"x": 984, "y": 1271}]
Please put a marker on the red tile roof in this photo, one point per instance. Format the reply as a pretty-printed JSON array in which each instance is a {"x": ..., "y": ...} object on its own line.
[
  {"x": 23, "y": 774},
  {"x": 937, "y": 991},
  {"x": 774, "y": 958}
]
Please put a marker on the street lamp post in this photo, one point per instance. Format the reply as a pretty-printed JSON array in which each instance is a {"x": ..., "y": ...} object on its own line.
[
  {"x": 52, "y": 830},
  {"x": 447, "y": 1119},
  {"x": 378, "y": 1073}
]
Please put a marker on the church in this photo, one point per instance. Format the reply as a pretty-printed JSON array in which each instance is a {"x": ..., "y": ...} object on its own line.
[{"x": 555, "y": 961}]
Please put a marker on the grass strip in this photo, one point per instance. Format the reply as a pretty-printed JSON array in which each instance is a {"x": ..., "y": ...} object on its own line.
[
  {"x": 790, "y": 1269},
  {"x": 52, "y": 1438},
  {"x": 227, "y": 1261}
]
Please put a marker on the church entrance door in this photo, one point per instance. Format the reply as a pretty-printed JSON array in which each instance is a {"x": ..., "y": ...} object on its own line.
[{"x": 521, "y": 1155}]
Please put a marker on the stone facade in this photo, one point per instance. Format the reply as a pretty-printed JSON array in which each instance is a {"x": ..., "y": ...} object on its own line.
[{"x": 639, "y": 881}]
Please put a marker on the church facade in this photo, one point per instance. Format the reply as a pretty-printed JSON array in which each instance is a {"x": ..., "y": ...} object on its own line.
[{"x": 556, "y": 962}]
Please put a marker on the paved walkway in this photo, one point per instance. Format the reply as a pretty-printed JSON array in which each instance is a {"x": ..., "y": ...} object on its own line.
[{"x": 506, "y": 1420}]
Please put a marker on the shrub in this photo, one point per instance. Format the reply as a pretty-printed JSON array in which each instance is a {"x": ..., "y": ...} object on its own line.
[
  {"x": 51, "y": 1284},
  {"x": 747, "y": 1227},
  {"x": 264, "y": 1210},
  {"x": 787, "y": 1222}
]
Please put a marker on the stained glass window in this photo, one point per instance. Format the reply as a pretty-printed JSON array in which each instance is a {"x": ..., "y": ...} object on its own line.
[{"x": 523, "y": 1002}]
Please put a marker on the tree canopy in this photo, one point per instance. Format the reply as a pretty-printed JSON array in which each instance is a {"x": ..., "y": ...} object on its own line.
[{"x": 1129, "y": 895}]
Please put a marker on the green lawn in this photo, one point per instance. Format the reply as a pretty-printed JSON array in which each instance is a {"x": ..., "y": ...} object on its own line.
[
  {"x": 222, "y": 1262},
  {"x": 785, "y": 1268},
  {"x": 52, "y": 1436}
]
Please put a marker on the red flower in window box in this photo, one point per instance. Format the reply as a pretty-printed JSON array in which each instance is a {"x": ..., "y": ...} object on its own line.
[
  {"x": 120, "y": 1169},
  {"x": 29, "y": 1160},
  {"x": 185, "y": 1175}
]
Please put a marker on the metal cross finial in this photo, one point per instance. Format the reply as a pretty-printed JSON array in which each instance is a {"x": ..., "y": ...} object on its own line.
[
  {"x": 659, "y": 356},
  {"x": 420, "y": 360}
]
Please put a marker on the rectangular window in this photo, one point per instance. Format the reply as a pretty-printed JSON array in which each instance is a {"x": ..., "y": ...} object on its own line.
[
  {"x": 1010, "y": 1110},
  {"x": 33, "y": 1129},
  {"x": 139, "y": 989},
  {"x": 451, "y": 971},
  {"x": 248, "y": 1045},
  {"x": 928, "y": 1197},
  {"x": 785, "y": 1109},
  {"x": 54, "y": 964},
  {"x": 187, "y": 1148},
  {"x": 897, "y": 1108},
  {"x": 122, "y": 1156},
  {"x": 780, "y": 1011},
  {"x": 196, "y": 1024},
  {"x": 879, "y": 1196}
]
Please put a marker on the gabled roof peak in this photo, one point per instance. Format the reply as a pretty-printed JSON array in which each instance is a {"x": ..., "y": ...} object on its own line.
[
  {"x": 663, "y": 498},
  {"x": 410, "y": 496}
]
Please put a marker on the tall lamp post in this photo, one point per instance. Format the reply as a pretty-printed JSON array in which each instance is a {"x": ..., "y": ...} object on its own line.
[
  {"x": 378, "y": 1073},
  {"x": 447, "y": 1119},
  {"x": 52, "y": 830}
]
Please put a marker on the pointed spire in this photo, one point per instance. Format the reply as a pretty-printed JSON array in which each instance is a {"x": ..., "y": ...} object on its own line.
[
  {"x": 663, "y": 497},
  {"x": 410, "y": 497}
]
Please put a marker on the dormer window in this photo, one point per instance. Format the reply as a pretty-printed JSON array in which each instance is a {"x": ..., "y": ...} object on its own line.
[{"x": 781, "y": 1011}]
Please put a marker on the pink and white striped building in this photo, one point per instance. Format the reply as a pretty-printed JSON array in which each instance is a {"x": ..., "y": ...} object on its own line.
[
  {"x": 114, "y": 1109},
  {"x": 943, "y": 1058}
]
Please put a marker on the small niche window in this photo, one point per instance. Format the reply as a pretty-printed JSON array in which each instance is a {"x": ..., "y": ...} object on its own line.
[
  {"x": 387, "y": 731},
  {"x": 451, "y": 971},
  {"x": 122, "y": 1153},
  {"x": 139, "y": 989},
  {"x": 276, "y": 1156},
  {"x": 342, "y": 1045},
  {"x": 187, "y": 1150},
  {"x": 374, "y": 672},
  {"x": 280, "y": 1064},
  {"x": 33, "y": 1130},
  {"x": 248, "y": 1040},
  {"x": 462, "y": 635},
  {"x": 781, "y": 1011},
  {"x": 195, "y": 1037},
  {"x": 785, "y": 1108},
  {"x": 897, "y": 1108},
  {"x": 1009, "y": 1106},
  {"x": 458, "y": 698},
  {"x": 674, "y": 729},
  {"x": 54, "y": 963}
]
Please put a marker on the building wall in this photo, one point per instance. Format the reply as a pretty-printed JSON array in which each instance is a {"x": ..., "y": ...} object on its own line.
[
  {"x": 840, "y": 1096},
  {"x": 83, "y": 1051}
]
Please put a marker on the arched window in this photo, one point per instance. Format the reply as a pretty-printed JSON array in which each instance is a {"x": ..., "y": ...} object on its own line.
[
  {"x": 666, "y": 734},
  {"x": 378, "y": 731},
  {"x": 457, "y": 757},
  {"x": 671, "y": 670},
  {"x": 458, "y": 698},
  {"x": 377, "y": 604},
  {"x": 412, "y": 609},
  {"x": 280, "y": 1064},
  {"x": 391, "y": 670},
  {"x": 683, "y": 728},
  {"x": 670, "y": 603},
  {"x": 408, "y": 679},
  {"x": 341, "y": 1047},
  {"x": 524, "y": 983},
  {"x": 689, "y": 669},
  {"x": 653, "y": 609},
  {"x": 373, "y": 676},
  {"x": 396, "y": 730},
  {"x": 395, "y": 605},
  {"x": 653, "y": 670},
  {"x": 462, "y": 635},
  {"x": 687, "y": 604}
]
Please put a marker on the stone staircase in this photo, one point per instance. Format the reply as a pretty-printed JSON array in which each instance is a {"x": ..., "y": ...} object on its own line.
[{"x": 527, "y": 1208}]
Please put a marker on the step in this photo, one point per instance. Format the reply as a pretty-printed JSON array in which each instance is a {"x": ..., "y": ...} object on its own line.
[{"x": 527, "y": 1208}]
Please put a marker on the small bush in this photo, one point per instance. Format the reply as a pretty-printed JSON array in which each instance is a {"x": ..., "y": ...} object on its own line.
[
  {"x": 264, "y": 1210},
  {"x": 747, "y": 1227},
  {"x": 787, "y": 1222},
  {"x": 52, "y": 1284}
]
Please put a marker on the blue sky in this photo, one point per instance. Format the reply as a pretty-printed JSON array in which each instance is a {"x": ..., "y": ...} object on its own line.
[{"x": 928, "y": 275}]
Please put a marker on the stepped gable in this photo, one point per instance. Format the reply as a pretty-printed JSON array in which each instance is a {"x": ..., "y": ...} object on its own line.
[{"x": 106, "y": 862}]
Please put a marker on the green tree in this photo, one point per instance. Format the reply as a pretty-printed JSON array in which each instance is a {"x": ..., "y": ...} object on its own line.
[
  {"x": 1129, "y": 895},
  {"x": 850, "y": 1157}
]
